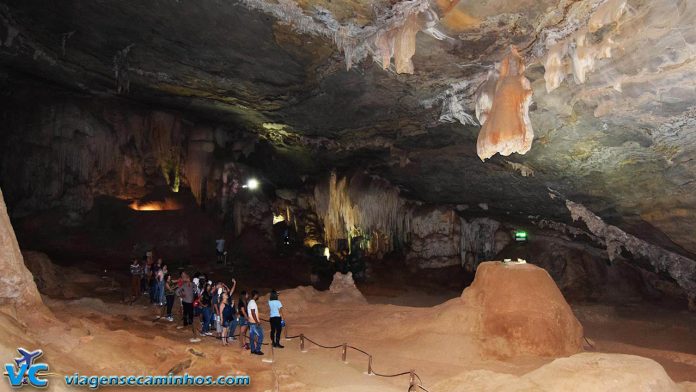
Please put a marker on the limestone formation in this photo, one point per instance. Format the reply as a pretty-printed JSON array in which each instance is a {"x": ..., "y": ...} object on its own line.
[
  {"x": 505, "y": 124},
  {"x": 17, "y": 288},
  {"x": 517, "y": 309}
]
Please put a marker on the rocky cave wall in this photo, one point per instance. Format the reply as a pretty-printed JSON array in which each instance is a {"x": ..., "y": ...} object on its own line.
[
  {"x": 429, "y": 236},
  {"x": 62, "y": 152},
  {"x": 81, "y": 163}
]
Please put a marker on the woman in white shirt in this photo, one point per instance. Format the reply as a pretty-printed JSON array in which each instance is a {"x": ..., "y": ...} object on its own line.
[{"x": 276, "y": 313}]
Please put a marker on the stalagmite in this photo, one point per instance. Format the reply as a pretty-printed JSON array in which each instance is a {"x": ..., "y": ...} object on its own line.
[{"x": 507, "y": 128}]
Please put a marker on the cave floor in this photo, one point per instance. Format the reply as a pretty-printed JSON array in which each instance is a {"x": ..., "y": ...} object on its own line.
[{"x": 109, "y": 331}]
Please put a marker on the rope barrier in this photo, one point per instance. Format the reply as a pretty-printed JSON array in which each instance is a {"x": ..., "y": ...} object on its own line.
[{"x": 413, "y": 376}]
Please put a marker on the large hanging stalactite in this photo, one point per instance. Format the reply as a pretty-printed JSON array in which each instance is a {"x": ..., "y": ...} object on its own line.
[{"x": 506, "y": 127}]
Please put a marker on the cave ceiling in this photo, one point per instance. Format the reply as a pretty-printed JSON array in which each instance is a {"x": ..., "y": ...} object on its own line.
[{"x": 302, "y": 74}]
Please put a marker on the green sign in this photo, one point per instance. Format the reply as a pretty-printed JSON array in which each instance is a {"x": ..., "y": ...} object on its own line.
[{"x": 520, "y": 235}]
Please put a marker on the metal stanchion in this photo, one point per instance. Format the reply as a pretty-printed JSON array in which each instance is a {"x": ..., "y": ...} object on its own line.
[
  {"x": 302, "y": 343},
  {"x": 344, "y": 352},
  {"x": 369, "y": 366},
  {"x": 412, "y": 381},
  {"x": 266, "y": 360},
  {"x": 195, "y": 338}
]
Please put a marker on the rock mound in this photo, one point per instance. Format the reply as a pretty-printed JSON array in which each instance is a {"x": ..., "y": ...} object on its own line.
[
  {"x": 517, "y": 309},
  {"x": 586, "y": 372},
  {"x": 343, "y": 286},
  {"x": 61, "y": 282}
]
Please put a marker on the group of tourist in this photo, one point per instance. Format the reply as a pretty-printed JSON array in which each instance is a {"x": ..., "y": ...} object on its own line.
[{"x": 213, "y": 302}]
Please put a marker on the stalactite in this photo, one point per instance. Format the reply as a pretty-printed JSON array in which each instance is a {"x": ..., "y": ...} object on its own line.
[
  {"x": 166, "y": 138},
  {"x": 361, "y": 206},
  {"x": 609, "y": 12},
  {"x": 121, "y": 70},
  {"x": 405, "y": 44},
  {"x": 199, "y": 160},
  {"x": 477, "y": 241},
  {"x": 578, "y": 53},
  {"x": 392, "y": 35},
  {"x": 507, "y": 128},
  {"x": 555, "y": 67},
  {"x": 485, "y": 94}
]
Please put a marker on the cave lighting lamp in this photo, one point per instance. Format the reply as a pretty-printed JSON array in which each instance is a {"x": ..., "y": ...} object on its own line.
[{"x": 252, "y": 184}]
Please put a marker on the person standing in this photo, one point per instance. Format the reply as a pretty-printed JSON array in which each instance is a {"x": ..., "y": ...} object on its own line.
[
  {"x": 243, "y": 319},
  {"x": 136, "y": 271},
  {"x": 159, "y": 281},
  {"x": 169, "y": 294},
  {"x": 226, "y": 315},
  {"x": 186, "y": 292},
  {"x": 220, "y": 249},
  {"x": 276, "y": 314},
  {"x": 206, "y": 309},
  {"x": 255, "y": 329},
  {"x": 235, "y": 320}
]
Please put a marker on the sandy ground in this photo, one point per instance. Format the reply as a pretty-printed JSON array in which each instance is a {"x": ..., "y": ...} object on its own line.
[{"x": 97, "y": 337}]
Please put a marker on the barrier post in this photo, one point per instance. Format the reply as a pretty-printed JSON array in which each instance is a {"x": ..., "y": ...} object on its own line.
[
  {"x": 344, "y": 352},
  {"x": 369, "y": 365},
  {"x": 412, "y": 381},
  {"x": 302, "y": 342},
  {"x": 272, "y": 356}
]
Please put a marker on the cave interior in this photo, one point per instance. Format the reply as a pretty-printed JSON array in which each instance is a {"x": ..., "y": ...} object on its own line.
[{"x": 404, "y": 141}]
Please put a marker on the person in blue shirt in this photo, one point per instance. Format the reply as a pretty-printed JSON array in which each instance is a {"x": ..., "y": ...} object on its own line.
[{"x": 276, "y": 313}]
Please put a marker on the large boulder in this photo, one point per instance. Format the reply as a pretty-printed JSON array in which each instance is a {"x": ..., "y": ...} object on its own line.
[{"x": 517, "y": 309}]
